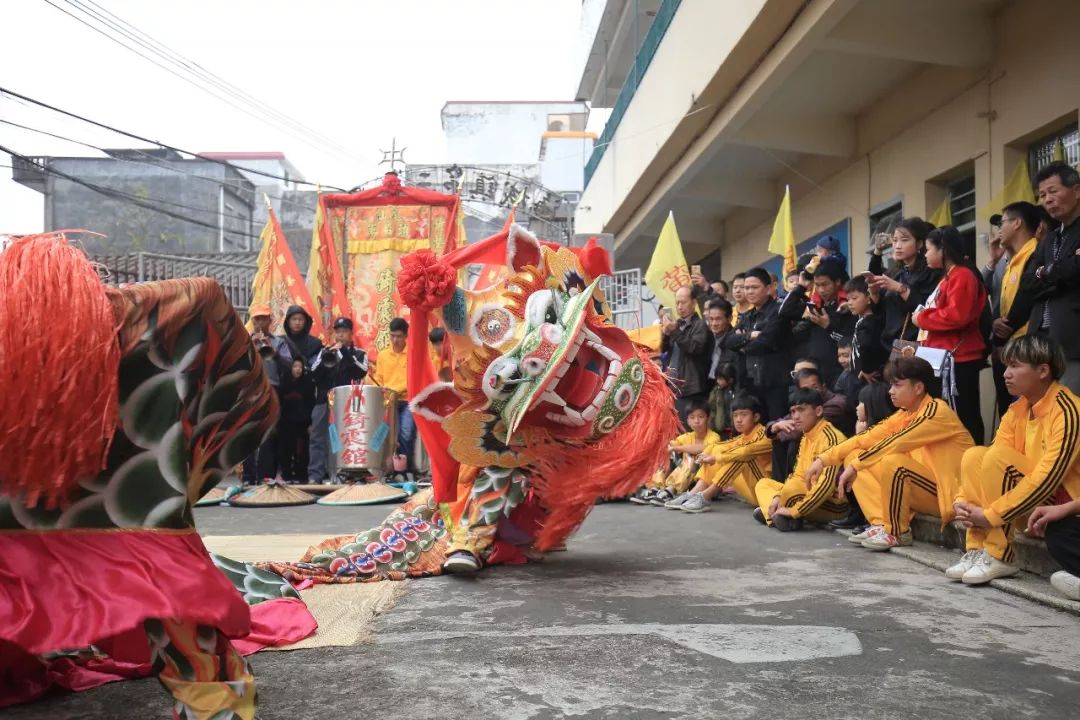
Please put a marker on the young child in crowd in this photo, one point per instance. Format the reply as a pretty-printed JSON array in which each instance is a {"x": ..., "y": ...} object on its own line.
[
  {"x": 784, "y": 505},
  {"x": 720, "y": 399},
  {"x": 868, "y": 353},
  {"x": 848, "y": 384},
  {"x": 296, "y": 392},
  {"x": 685, "y": 448},
  {"x": 737, "y": 463}
]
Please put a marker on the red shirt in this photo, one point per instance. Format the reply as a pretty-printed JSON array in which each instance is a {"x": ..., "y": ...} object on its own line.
[{"x": 953, "y": 323}]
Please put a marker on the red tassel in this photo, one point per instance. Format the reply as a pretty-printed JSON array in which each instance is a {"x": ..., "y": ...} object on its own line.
[
  {"x": 572, "y": 478},
  {"x": 59, "y": 358}
]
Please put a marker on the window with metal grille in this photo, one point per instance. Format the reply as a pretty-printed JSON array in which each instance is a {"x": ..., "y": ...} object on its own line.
[
  {"x": 1062, "y": 145},
  {"x": 962, "y": 203}
]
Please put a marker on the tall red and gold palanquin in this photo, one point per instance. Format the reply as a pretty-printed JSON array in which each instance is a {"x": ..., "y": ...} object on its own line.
[{"x": 376, "y": 227}]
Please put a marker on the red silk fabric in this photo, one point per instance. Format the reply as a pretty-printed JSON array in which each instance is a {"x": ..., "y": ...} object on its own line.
[
  {"x": 24, "y": 677},
  {"x": 69, "y": 589}
]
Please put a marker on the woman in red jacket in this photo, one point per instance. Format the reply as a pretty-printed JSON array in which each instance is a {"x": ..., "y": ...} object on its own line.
[{"x": 950, "y": 321}]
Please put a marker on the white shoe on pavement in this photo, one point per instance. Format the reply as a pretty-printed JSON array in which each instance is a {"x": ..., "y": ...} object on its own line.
[
  {"x": 857, "y": 538},
  {"x": 882, "y": 541},
  {"x": 988, "y": 568},
  {"x": 677, "y": 503},
  {"x": 956, "y": 572},
  {"x": 696, "y": 503},
  {"x": 1067, "y": 584}
]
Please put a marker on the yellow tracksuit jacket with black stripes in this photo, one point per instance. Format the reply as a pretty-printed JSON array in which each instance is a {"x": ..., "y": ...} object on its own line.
[
  {"x": 821, "y": 438},
  {"x": 1054, "y": 448},
  {"x": 754, "y": 446},
  {"x": 931, "y": 434}
]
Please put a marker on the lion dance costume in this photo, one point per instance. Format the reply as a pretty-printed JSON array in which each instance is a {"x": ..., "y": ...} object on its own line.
[
  {"x": 121, "y": 408},
  {"x": 552, "y": 408}
]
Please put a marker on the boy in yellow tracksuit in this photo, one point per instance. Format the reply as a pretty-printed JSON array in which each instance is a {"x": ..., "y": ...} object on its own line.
[
  {"x": 664, "y": 489},
  {"x": 784, "y": 505},
  {"x": 907, "y": 463},
  {"x": 739, "y": 462},
  {"x": 1031, "y": 462}
]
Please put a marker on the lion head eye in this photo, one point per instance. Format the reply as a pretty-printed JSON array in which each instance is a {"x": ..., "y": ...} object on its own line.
[{"x": 492, "y": 325}]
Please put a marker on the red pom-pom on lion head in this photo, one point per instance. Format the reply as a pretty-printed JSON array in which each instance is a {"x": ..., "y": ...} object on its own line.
[{"x": 424, "y": 282}]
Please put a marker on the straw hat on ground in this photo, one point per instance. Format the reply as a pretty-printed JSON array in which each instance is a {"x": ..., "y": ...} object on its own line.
[
  {"x": 364, "y": 494},
  {"x": 271, "y": 494}
]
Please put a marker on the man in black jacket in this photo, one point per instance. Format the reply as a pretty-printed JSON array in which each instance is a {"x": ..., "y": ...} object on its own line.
[
  {"x": 1057, "y": 263},
  {"x": 1019, "y": 224},
  {"x": 686, "y": 340},
  {"x": 342, "y": 363},
  {"x": 821, "y": 321},
  {"x": 764, "y": 338}
]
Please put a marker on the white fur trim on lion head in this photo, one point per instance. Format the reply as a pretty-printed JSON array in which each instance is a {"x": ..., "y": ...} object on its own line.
[
  {"x": 436, "y": 402},
  {"x": 522, "y": 248}
]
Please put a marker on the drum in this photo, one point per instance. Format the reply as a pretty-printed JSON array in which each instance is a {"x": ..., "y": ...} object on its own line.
[{"x": 365, "y": 420}]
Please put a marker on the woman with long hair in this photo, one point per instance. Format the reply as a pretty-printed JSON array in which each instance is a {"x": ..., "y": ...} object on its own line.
[
  {"x": 950, "y": 321},
  {"x": 906, "y": 287}
]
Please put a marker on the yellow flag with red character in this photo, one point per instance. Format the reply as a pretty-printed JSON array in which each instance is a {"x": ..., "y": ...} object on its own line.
[{"x": 667, "y": 270}]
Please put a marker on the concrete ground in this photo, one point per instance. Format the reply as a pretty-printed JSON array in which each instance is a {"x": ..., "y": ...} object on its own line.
[{"x": 657, "y": 614}]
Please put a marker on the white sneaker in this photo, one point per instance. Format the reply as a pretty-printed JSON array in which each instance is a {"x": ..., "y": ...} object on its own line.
[
  {"x": 677, "y": 503},
  {"x": 988, "y": 568},
  {"x": 956, "y": 572},
  {"x": 857, "y": 538},
  {"x": 696, "y": 504},
  {"x": 1067, "y": 584},
  {"x": 882, "y": 541}
]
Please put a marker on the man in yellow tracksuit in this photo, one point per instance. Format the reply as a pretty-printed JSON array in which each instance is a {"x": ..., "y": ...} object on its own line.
[
  {"x": 739, "y": 462},
  {"x": 907, "y": 463},
  {"x": 784, "y": 505},
  {"x": 1032, "y": 461}
]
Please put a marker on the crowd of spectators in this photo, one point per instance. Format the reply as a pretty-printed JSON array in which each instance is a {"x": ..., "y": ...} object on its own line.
[
  {"x": 304, "y": 373},
  {"x": 857, "y": 400}
]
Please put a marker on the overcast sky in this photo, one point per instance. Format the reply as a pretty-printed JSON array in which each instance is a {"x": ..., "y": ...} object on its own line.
[{"x": 358, "y": 71}]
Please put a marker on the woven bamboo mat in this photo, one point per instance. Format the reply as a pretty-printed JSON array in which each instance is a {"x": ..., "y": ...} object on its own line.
[{"x": 345, "y": 613}]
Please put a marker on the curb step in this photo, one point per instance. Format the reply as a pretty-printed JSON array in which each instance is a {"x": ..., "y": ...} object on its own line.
[
  {"x": 939, "y": 548},
  {"x": 1026, "y": 585},
  {"x": 1031, "y": 554}
]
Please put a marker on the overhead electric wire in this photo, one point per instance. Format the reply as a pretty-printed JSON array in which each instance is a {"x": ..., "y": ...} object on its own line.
[
  {"x": 162, "y": 50},
  {"x": 157, "y": 143},
  {"x": 258, "y": 114},
  {"x": 151, "y": 161},
  {"x": 122, "y": 196}
]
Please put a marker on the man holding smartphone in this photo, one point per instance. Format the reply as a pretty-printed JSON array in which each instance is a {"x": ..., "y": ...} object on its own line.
[{"x": 686, "y": 341}]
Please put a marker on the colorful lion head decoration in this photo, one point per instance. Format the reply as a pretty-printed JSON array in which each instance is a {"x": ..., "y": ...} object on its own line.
[{"x": 544, "y": 380}]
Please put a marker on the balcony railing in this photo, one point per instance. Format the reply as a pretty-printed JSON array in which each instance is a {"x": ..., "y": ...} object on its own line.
[{"x": 644, "y": 57}]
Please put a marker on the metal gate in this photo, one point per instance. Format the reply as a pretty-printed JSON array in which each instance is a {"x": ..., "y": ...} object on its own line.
[
  {"x": 623, "y": 293},
  {"x": 234, "y": 272}
]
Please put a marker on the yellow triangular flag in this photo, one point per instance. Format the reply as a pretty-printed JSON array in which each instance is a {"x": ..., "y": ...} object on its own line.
[
  {"x": 1016, "y": 189},
  {"x": 782, "y": 240},
  {"x": 668, "y": 270},
  {"x": 943, "y": 215}
]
